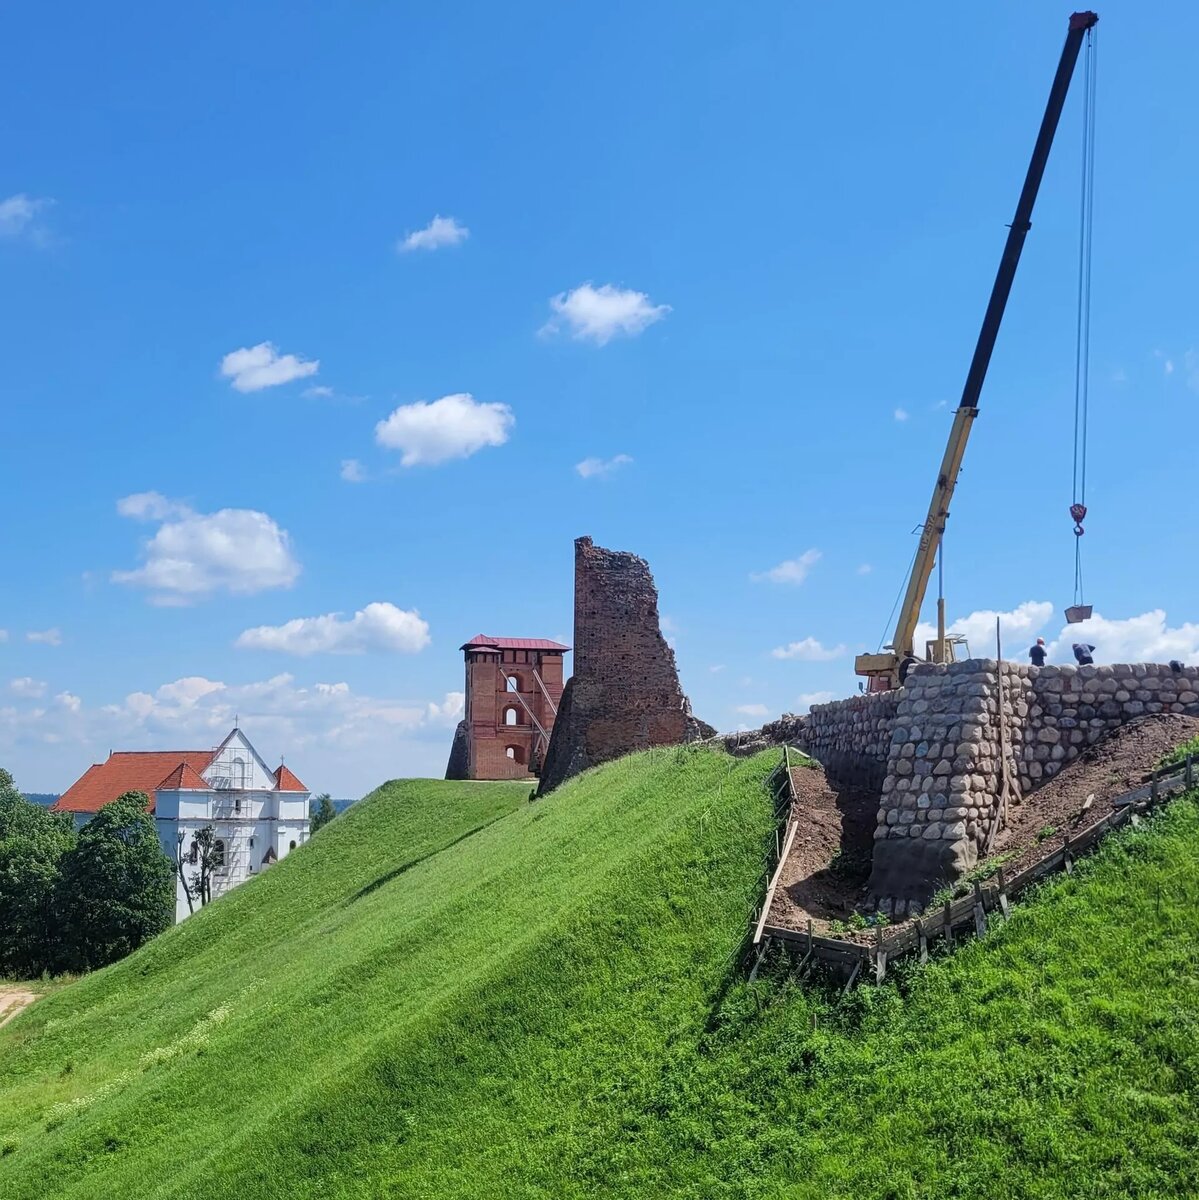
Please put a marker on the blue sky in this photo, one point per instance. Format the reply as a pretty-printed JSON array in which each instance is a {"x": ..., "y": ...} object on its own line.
[{"x": 747, "y": 248}]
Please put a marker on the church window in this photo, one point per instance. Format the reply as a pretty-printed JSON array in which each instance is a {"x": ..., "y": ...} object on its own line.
[
  {"x": 510, "y": 716},
  {"x": 218, "y": 853}
]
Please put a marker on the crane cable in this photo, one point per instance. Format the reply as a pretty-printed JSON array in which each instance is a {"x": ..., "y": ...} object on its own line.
[{"x": 1082, "y": 343}]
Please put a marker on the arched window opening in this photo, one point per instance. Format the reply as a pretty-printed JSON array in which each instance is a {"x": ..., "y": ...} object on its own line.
[
  {"x": 511, "y": 752},
  {"x": 292, "y": 846},
  {"x": 218, "y": 853},
  {"x": 516, "y": 754},
  {"x": 240, "y": 774},
  {"x": 513, "y": 683},
  {"x": 193, "y": 852},
  {"x": 510, "y": 717}
]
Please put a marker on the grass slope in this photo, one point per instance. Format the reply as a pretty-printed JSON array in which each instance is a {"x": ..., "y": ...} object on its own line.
[{"x": 451, "y": 992}]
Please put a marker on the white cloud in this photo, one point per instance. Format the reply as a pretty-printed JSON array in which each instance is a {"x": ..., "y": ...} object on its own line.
[
  {"x": 335, "y": 738},
  {"x": 192, "y": 555},
  {"x": 717, "y": 668},
  {"x": 1146, "y": 638},
  {"x": 3, "y": 635},
  {"x": 807, "y": 699},
  {"x": 150, "y": 506},
  {"x": 591, "y": 468},
  {"x": 377, "y": 627},
  {"x": 318, "y": 392},
  {"x": 751, "y": 710},
  {"x": 902, "y": 414},
  {"x": 599, "y": 314},
  {"x": 1169, "y": 366},
  {"x": 27, "y": 688},
  {"x": 453, "y": 427},
  {"x": 441, "y": 231},
  {"x": 979, "y": 629},
  {"x": 864, "y": 569},
  {"x": 19, "y": 217},
  {"x": 256, "y": 367},
  {"x": 809, "y": 650},
  {"x": 352, "y": 471},
  {"x": 450, "y": 709},
  {"x": 45, "y": 637},
  {"x": 791, "y": 570}
]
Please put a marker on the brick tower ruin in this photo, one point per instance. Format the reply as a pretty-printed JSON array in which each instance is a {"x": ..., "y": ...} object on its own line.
[
  {"x": 624, "y": 694},
  {"x": 513, "y": 688}
]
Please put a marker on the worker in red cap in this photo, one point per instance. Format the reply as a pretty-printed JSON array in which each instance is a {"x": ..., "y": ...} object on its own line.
[{"x": 1037, "y": 652}]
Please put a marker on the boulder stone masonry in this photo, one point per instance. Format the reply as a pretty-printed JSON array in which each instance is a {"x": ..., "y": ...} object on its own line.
[
  {"x": 944, "y": 772},
  {"x": 851, "y": 738},
  {"x": 624, "y": 694}
]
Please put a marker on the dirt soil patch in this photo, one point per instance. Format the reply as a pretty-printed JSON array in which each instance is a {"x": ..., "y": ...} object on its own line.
[
  {"x": 1106, "y": 770},
  {"x": 825, "y": 874},
  {"x": 824, "y": 878},
  {"x": 13, "y": 1000}
]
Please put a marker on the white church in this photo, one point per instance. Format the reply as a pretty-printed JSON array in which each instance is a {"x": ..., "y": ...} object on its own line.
[{"x": 258, "y": 815}]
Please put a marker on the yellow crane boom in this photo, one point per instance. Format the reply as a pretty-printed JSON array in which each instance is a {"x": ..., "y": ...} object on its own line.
[{"x": 887, "y": 668}]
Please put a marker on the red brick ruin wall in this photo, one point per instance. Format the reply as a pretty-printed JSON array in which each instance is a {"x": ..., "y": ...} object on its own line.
[{"x": 624, "y": 694}]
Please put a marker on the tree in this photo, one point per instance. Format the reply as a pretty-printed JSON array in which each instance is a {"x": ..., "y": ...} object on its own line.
[
  {"x": 116, "y": 888},
  {"x": 322, "y": 813},
  {"x": 179, "y": 873},
  {"x": 210, "y": 854},
  {"x": 33, "y": 841}
]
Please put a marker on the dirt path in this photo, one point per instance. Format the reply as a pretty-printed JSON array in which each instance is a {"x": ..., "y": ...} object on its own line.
[
  {"x": 14, "y": 998},
  {"x": 824, "y": 878}
]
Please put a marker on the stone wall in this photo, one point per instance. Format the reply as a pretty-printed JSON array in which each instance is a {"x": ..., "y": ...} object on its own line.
[
  {"x": 851, "y": 738},
  {"x": 943, "y": 772},
  {"x": 624, "y": 694},
  {"x": 459, "y": 765}
]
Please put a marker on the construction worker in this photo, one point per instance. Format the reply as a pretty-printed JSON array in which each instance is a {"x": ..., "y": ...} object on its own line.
[
  {"x": 1037, "y": 652},
  {"x": 1082, "y": 654}
]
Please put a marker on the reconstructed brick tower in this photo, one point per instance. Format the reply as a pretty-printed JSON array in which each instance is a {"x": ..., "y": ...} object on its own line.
[{"x": 513, "y": 688}]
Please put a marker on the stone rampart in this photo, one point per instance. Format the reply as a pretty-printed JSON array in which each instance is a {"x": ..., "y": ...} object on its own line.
[
  {"x": 851, "y": 738},
  {"x": 943, "y": 772}
]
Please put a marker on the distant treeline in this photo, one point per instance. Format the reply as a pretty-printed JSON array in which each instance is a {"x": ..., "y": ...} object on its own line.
[{"x": 45, "y": 799}]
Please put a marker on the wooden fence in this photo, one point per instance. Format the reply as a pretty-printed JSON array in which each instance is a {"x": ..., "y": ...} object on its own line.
[{"x": 955, "y": 918}]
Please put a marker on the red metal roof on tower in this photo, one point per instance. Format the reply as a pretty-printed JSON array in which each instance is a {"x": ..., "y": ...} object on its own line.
[
  {"x": 482, "y": 642},
  {"x": 127, "y": 771}
]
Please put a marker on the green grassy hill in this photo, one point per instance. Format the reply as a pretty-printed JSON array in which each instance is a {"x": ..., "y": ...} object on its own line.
[{"x": 451, "y": 992}]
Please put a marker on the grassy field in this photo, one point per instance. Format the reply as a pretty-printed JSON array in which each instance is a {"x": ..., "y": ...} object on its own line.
[{"x": 451, "y": 992}]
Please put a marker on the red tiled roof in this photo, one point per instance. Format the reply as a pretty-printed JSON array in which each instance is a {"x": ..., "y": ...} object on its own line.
[
  {"x": 482, "y": 642},
  {"x": 286, "y": 781},
  {"x": 183, "y": 777},
  {"x": 126, "y": 771}
]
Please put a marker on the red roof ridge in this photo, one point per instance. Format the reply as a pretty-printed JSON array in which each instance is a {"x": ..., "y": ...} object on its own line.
[
  {"x": 286, "y": 780},
  {"x": 183, "y": 778},
  {"x": 127, "y": 771}
]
